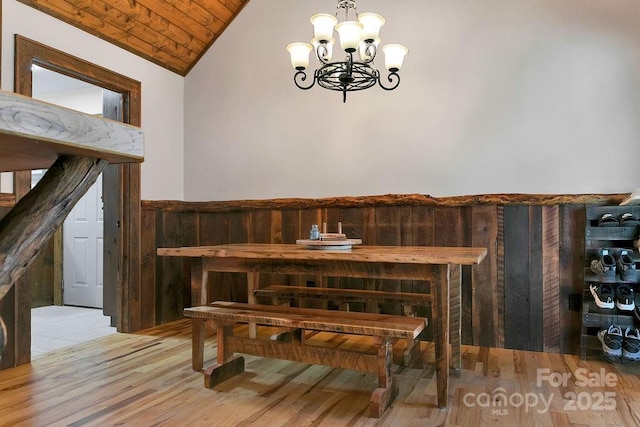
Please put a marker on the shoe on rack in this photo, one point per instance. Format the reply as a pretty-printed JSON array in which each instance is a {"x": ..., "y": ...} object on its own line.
[
  {"x": 608, "y": 220},
  {"x": 624, "y": 297},
  {"x": 604, "y": 266},
  {"x": 626, "y": 266},
  {"x": 611, "y": 339},
  {"x": 631, "y": 344},
  {"x": 628, "y": 220},
  {"x": 603, "y": 295}
]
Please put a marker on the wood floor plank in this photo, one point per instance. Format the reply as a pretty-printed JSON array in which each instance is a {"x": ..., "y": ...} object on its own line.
[{"x": 146, "y": 379}]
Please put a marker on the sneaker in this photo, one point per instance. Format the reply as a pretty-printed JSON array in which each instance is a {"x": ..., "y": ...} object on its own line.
[
  {"x": 624, "y": 298},
  {"x": 631, "y": 344},
  {"x": 611, "y": 340},
  {"x": 603, "y": 294},
  {"x": 608, "y": 220},
  {"x": 604, "y": 266},
  {"x": 626, "y": 266},
  {"x": 628, "y": 220}
]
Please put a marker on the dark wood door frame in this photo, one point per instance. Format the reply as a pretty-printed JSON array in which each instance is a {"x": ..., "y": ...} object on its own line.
[{"x": 124, "y": 180}]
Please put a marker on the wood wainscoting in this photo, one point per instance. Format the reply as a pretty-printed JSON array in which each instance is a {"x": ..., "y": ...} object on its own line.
[{"x": 518, "y": 297}]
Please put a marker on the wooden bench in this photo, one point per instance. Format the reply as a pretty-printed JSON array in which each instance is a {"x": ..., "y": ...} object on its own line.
[
  {"x": 281, "y": 294},
  {"x": 223, "y": 315},
  {"x": 284, "y": 294}
]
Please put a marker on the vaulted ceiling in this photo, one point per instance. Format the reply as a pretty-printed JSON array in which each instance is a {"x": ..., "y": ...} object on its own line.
[{"x": 171, "y": 33}]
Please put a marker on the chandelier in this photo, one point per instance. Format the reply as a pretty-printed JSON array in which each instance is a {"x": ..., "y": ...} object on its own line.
[{"x": 355, "y": 72}]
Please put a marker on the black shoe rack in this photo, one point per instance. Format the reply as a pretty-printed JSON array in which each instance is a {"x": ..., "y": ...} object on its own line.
[{"x": 596, "y": 238}]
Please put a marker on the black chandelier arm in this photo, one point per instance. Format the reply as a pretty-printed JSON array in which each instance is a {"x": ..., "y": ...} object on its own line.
[
  {"x": 394, "y": 79},
  {"x": 301, "y": 76}
]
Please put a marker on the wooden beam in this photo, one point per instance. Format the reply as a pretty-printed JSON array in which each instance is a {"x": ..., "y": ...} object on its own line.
[
  {"x": 33, "y": 134},
  {"x": 38, "y": 215}
]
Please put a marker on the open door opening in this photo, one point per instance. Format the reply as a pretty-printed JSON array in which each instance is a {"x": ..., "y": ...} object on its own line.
[{"x": 121, "y": 195}]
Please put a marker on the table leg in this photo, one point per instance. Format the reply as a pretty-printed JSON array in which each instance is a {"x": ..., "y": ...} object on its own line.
[
  {"x": 455, "y": 295},
  {"x": 199, "y": 279},
  {"x": 253, "y": 283},
  {"x": 440, "y": 314}
]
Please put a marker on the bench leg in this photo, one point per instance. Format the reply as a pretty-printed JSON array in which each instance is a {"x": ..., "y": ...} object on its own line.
[
  {"x": 218, "y": 373},
  {"x": 412, "y": 358},
  {"x": 228, "y": 365},
  {"x": 387, "y": 390},
  {"x": 197, "y": 343}
]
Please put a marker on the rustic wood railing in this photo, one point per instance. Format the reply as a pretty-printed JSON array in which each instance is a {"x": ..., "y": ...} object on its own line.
[{"x": 384, "y": 200}]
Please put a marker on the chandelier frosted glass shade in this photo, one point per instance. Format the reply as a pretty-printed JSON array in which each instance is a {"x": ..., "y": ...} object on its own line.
[
  {"x": 299, "y": 55},
  {"x": 359, "y": 39},
  {"x": 371, "y": 24},
  {"x": 323, "y": 24},
  {"x": 349, "y": 32},
  {"x": 394, "y": 56}
]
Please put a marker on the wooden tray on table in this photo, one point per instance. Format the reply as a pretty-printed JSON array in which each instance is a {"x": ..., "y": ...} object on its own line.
[{"x": 330, "y": 244}]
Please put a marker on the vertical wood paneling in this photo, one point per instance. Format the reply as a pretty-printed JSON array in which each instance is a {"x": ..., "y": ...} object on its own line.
[
  {"x": 486, "y": 297},
  {"x": 572, "y": 226},
  {"x": 190, "y": 237},
  {"x": 259, "y": 230},
  {"x": 171, "y": 290},
  {"x": 291, "y": 225},
  {"x": 276, "y": 227},
  {"x": 516, "y": 277},
  {"x": 233, "y": 286},
  {"x": 353, "y": 226},
  {"x": 406, "y": 238},
  {"x": 388, "y": 227},
  {"x": 551, "y": 278},
  {"x": 148, "y": 274},
  {"x": 536, "y": 315},
  {"x": 423, "y": 234},
  {"x": 500, "y": 332},
  {"x": 129, "y": 318},
  {"x": 516, "y": 298},
  {"x": 466, "y": 330}
]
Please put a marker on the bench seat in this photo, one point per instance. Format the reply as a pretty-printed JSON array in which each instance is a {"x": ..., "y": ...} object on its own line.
[
  {"x": 382, "y": 328},
  {"x": 343, "y": 295},
  {"x": 284, "y": 294}
]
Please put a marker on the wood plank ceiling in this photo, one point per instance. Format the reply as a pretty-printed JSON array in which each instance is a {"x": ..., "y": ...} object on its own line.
[{"x": 171, "y": 33}]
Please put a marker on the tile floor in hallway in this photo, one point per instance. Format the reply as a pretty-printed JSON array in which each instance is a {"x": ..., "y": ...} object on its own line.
[{"x": 55, "y": 327}]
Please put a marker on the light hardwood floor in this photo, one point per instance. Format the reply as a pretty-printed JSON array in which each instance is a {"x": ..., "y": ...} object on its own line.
[{"x": 145, "y": 379}]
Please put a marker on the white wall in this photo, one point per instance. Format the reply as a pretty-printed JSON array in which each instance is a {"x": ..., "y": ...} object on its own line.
[
  {"x": 162, "y": 91},
  {"x": 496, "y": 96}
]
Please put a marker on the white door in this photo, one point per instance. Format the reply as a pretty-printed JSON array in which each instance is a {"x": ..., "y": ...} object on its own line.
[{"x": 83, "y": 246}]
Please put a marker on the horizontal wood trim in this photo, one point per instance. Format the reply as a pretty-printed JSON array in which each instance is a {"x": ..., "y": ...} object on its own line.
[{"x": 385, "y": 200}]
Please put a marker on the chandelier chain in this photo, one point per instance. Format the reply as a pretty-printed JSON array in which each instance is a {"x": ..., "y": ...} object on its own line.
[{"x": 346, "y": 5}]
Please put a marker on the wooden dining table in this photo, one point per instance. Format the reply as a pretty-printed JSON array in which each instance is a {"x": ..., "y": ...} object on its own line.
[{"x": 441, "y": 266}]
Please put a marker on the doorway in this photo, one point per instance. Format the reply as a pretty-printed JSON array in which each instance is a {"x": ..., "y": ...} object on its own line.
[
  {"x": 121, "y": 183},
  {"x": 82, "y": 231}
]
